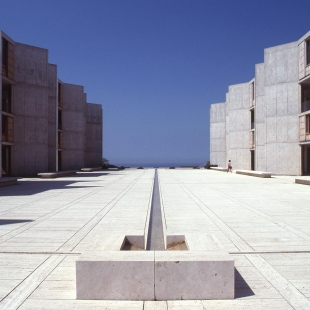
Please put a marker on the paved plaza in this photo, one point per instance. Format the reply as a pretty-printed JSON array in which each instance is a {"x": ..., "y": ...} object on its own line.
[{"x": 45, "y": 225}]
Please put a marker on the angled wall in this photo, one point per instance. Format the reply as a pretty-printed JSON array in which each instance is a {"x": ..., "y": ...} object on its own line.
[
  {"x": 93, "y": 134},
  {"x": 30, "y": 153},
  {"x": 52, "y": 104},
  {"x": 218, "y": 134},
  {"x": 73, "y": 125},
  {"x": 238, "y": 126},
  {"x": 281, "y": 105}
]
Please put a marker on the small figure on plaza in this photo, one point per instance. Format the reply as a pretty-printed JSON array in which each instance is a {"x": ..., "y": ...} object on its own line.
[{"x": 229, "y": 166}]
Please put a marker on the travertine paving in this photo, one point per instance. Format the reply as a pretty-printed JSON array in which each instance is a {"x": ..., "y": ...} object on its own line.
[{"x": 46, "y": 224}]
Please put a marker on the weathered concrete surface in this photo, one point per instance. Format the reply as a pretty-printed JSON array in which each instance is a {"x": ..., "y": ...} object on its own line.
[{"x": 47, "y": 224}]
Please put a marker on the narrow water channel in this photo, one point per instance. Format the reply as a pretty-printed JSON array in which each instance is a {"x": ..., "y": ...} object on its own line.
[{"x": 155, "y": 240}]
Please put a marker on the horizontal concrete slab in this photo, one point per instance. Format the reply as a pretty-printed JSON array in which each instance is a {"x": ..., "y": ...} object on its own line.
[
  {"x": 56, "y": 174},
  {"x": 252, "y": 173}
]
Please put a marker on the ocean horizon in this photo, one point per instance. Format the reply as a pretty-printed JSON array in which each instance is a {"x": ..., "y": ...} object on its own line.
[{"x": 159, "y": 165}]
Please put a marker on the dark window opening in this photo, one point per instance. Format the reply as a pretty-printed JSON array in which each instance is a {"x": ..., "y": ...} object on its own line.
[
  {"x": 7, "y": 59},
  {"x": 59, "y": 161},
  {"x": 60, "y": 99},
  {"x": 307, "y": 124},
  {"x": 305, "y": 159},
  {"x": 6, "y": 160},
  {"x": 7, "y": 128},
  {"x": 7, "y": 98},
  {"x": 60, "y": 119},
  {"x": 5, "y": 46},
  {"x": 252, "y": 119},
  {"x": 59, "y": 140},
  {"x": 305, "y": 97},
  {"x": 252, "y": 160},
  {"x": 308, "y": 51}
]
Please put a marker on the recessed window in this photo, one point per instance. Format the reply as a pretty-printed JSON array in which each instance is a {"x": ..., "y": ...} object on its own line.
[
  {"x": 307, "y": 123},
  {"x": 7, "y": 128},
  {"x": 4, "y": 56},
  {"x": 308, "y": 51},
  {"x": 7, "y": 98},
  {"x": 252, "y": 119}
]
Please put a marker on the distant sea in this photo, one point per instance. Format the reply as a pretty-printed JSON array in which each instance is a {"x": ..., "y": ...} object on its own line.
[{"x": 160, "y": 165}]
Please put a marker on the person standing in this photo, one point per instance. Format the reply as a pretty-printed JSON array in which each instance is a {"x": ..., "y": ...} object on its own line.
[{"x": 229, "y": 166}]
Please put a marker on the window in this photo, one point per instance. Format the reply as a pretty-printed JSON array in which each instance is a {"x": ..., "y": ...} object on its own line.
[
  {"x": 252, "y": 119},
  {"x": 252, "y": 93},
  {"x": 59, "y": 119},
  {"x": 4, "y": 56},
  {"x": 7, "y": 128},
  {"x": 308, "y": 51},
  {"x": 6, "y": 98},
  {"x": 59, "y": 140},
  {"x": 307, "y": 124},
  {"x": 305, "y": 97},
  {"x": 7, "y": 59},
  {"x": 60, "y": 100}
]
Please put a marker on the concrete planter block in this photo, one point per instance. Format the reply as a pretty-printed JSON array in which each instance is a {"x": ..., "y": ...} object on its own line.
[
  {"x": 116, "y": 275},
  {"x": 194, "y": 275}
]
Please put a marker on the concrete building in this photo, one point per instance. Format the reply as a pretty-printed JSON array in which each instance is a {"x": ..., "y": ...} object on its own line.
[
  {"x": 264, "y": 124},
  {"x": 47, "y": 125}
]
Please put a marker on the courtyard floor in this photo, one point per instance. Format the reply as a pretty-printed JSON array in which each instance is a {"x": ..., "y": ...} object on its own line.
[{"x": 45, "y": 225}]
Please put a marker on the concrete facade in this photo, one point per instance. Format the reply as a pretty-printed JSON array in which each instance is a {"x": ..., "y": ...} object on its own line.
[
  {"x": 266, "y": 119},
  {"x": 44, "y": 120}
]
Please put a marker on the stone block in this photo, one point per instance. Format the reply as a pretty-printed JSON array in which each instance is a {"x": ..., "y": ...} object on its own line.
[
  {"x": 116, "y": 275},
  {"x": 194, "y": 275}
]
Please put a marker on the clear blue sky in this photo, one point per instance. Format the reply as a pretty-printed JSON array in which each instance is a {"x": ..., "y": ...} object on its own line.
[{"x": 155, "y": 66}]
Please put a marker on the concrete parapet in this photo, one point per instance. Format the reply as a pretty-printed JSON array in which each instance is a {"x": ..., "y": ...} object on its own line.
[
  {"x": 8, "y": 181},
  {"x": 56, "y": 174},
  {"x": 194, "y": 275},
  {"x": 116, "y": 275},
  {"x": 178, "y": 275},
  {"x": 260, "y": 174}
]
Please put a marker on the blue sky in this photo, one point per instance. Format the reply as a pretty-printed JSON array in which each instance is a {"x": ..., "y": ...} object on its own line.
[{"x": 155, "y": 66}]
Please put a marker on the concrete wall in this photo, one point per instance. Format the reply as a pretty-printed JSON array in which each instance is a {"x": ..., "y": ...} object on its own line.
[
  {"x": 282, "y": 106},
  {"x": 238, "y": 126},
  {"x": 93, "y": 132},
  {"x": 52, "y": 110},
  {"x": 73, "y": 124},
  {"x": 30, "y": 93},
  {"x": 218, "y": 134}
]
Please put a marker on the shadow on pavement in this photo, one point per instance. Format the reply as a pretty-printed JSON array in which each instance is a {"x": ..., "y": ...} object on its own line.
[
  {"x": 242, "y": 289},
  {"x": 13, "y": 221}
]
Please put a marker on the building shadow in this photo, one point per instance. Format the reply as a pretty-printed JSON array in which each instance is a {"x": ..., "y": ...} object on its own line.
[
  {"x": 32, "y": 187},
  {"x": 89, "y": 174},
  {"x": 242, "y": 289},
  {"x": 13, "y": 221}
]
